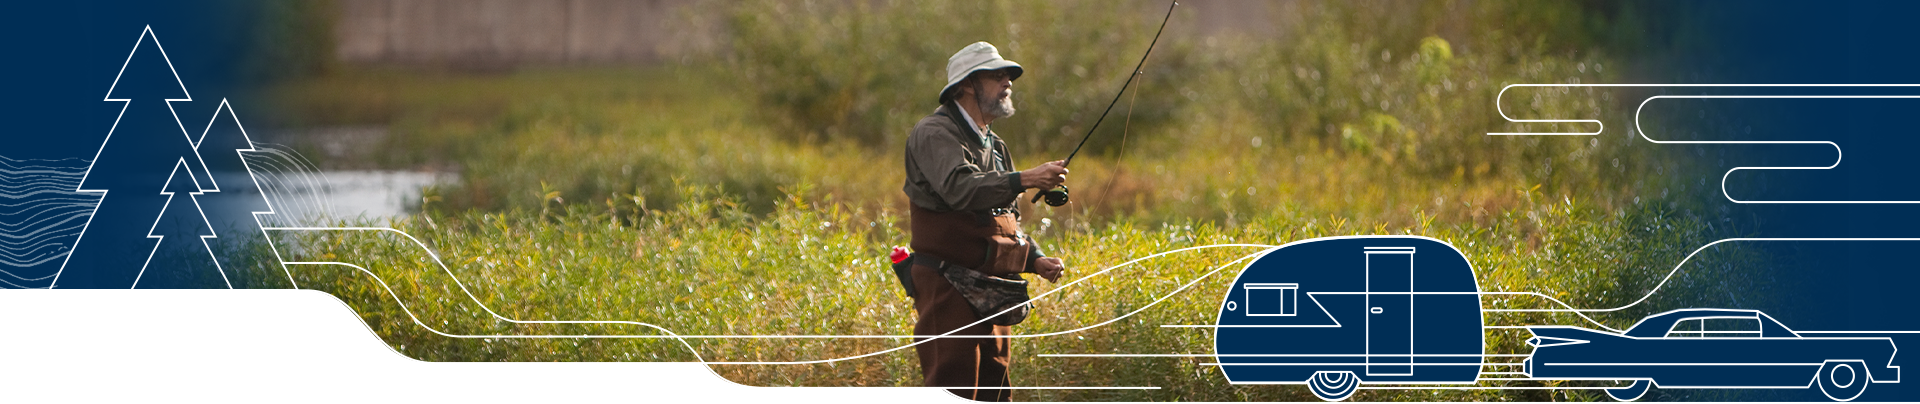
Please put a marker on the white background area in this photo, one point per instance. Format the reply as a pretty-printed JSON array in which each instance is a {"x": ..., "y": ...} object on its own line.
[{"x": 307, "y": 346}]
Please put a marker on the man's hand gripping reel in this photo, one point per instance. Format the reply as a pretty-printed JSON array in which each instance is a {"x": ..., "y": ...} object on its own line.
[{"x": 1055, "y": 197}]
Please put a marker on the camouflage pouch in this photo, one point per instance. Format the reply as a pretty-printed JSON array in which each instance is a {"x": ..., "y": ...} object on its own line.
[{"x": 990, "y": 295}]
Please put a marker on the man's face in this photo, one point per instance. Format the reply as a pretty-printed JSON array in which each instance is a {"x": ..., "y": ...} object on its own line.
[{"x": 993, "y": 92}]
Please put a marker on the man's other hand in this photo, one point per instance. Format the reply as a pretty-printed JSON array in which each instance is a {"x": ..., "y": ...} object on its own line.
[
  {"x": 1049, "y": 268},
  {"x": 1045, "y": 176}
]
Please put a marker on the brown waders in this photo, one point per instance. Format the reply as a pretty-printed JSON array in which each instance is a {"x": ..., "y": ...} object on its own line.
[{"x": 963, "y": 238}]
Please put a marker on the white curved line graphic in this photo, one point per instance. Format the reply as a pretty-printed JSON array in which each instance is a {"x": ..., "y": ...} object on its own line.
[
  {"x": 463, "y": 288},
  {"x": 416, "y": 319},
  {"x": 1663, "y": 281},
  {"x": 1503, "y": 114},
  {"x": 1723, "y": 178}
]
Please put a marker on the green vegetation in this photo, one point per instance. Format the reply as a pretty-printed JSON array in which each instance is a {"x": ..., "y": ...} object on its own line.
[
  {"x": 706, "y": 267},
  {"x": 758, "y": 194},
  {"x": 867, "y": 71}
]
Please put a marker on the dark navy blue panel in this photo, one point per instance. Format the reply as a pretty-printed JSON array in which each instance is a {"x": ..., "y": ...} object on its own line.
[{"x": 124, "y": 90}]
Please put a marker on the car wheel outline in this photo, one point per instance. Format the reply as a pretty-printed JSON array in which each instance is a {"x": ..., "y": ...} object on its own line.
[
  {"x": 1631, "y": 392},
  {"x": 1843, "y": 380},
  {"x": 1333, "y": 386}
]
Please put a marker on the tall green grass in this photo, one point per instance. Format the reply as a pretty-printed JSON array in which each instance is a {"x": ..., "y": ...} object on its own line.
[{"x": 707, "y": 267}]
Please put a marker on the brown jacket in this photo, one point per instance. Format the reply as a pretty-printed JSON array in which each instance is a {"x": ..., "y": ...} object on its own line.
[{"x": 953, "y": 174}]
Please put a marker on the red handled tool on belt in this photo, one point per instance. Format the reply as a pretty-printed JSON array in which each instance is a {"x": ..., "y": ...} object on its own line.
[{"x": 902, "y": 267}]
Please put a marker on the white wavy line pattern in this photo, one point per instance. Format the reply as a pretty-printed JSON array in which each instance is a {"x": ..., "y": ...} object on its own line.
[
  {"x": 293, "y": 186},
  {"x": 41, "y": 214}
]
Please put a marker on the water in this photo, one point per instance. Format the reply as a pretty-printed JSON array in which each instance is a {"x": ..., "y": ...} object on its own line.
[
  {"x": 377, "y": 194},
  {"x": 303, "y": 194}
]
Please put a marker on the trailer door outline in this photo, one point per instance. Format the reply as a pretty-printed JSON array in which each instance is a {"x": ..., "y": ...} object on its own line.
[{"x": 1389, "y": 332}]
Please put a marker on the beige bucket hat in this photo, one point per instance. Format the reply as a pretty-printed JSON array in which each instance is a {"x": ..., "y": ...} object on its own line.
[{"x": 976, "y": 57}]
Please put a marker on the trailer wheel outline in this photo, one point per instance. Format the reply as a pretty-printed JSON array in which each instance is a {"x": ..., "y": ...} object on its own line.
[
  {"x": 1632, "y": 391},
  {"x": 1333, "y": 386}
]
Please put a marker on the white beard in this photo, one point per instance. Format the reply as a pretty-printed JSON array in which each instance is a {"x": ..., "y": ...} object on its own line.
[{"x": 998, "y": 110}]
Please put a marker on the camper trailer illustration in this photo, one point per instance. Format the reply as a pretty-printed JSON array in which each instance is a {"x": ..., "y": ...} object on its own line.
[{"x": 1335, "y": 313}]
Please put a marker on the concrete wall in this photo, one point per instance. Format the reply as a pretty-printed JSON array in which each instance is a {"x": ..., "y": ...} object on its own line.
[
  {"x": 484, "y": 34},
  {"x": 513, "y": 32}
]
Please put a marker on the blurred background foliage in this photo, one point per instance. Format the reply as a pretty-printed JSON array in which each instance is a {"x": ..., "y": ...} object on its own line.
[
  {"x": 290, "y": 40},
  {"x": 866, "y": 71},
  {"x": 1398, "y": 90}
]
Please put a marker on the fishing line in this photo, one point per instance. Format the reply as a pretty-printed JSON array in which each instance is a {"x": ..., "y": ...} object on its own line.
[
  {"x": 1125, "y": 127},
  {"x": 1058, "y": 195}
]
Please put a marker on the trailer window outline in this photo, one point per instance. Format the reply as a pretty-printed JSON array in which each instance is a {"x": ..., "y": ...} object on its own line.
[{"x": 1286, "y": 294}]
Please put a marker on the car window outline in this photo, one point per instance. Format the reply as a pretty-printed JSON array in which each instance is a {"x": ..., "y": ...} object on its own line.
[
  {"x": 1675, "y": 331},
  {"x": 1652, "y": 326},
  {"x": 1700, "y": 328}
]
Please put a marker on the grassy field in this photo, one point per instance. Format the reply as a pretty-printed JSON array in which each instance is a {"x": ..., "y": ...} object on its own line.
[
  {"x": 711, "y": 199},
  {"x": 807, "y": 269}
]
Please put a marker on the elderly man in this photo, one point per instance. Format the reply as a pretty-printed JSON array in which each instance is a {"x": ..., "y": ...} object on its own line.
[{"x": 965, "y": 217}]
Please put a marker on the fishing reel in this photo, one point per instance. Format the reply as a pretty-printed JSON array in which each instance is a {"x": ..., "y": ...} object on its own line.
[{"x": 1055, "y": 197}]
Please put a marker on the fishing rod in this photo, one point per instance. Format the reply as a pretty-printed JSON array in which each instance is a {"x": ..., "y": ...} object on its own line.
[{"x": 1058, "y": 195}]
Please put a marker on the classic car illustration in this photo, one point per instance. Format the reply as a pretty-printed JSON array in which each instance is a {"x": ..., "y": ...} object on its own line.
[{"x": 1711, "y": 348}]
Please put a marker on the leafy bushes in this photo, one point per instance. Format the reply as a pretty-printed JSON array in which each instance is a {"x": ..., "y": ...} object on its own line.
[{"x": 864, "y": 72}]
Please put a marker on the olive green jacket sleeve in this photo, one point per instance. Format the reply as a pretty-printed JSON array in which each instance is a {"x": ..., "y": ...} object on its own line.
[{"x": 949, "y": 169}]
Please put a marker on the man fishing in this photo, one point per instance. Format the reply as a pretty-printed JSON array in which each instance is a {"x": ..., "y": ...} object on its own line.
[{"x": 965, "y": 217}]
